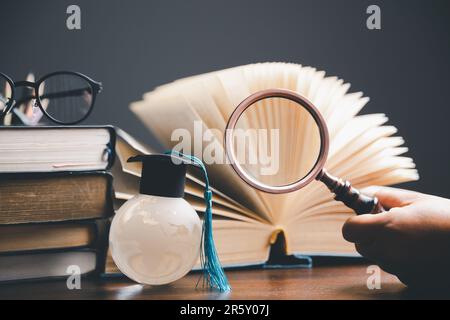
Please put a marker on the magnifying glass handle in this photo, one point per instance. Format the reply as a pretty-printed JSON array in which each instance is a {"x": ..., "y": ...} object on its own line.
[{"x": 350, "y": 196}]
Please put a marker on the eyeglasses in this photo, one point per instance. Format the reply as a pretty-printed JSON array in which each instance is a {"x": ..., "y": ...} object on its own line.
[{"x": 64, "y": 97}]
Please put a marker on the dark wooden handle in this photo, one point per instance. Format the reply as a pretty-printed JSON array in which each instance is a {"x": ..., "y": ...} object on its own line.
[{"x": 350, "y": 196}]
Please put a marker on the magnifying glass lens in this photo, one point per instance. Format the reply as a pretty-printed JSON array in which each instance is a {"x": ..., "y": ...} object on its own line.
[{"x": 276, "y": 142}]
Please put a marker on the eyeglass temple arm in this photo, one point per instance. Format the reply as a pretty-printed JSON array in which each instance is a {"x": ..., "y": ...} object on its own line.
[
  {"x": 62, "y": 94},
  {"x": 3, "y": 99},
  {"x": 19, "y": 114}
]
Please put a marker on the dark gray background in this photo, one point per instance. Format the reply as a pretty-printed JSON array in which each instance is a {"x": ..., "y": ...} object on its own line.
[{"x": 133, "y": 46}]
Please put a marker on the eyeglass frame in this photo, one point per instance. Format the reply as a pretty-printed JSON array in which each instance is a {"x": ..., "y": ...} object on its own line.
[{"x": 95, "y": 86}]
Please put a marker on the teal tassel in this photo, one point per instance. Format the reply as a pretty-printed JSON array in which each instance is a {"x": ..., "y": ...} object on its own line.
[{"x": 213, "y": 272}]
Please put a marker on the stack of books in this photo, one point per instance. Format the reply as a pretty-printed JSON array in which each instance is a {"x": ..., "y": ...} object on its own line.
[{"x": 56, "y": 200}]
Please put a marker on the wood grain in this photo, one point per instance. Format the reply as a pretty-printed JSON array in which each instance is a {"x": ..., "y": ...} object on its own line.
[{"x": 327, "y": 282}]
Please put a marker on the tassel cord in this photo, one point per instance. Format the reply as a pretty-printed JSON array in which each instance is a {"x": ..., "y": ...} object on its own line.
[{"x": 213, "y": 273}]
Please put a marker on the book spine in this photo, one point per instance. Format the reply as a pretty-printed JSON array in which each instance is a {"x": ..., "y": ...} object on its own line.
[{"x": 102, "y": 244}]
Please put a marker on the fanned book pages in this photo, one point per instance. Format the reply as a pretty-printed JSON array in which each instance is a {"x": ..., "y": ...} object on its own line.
[{"x": 363, "y": 150}]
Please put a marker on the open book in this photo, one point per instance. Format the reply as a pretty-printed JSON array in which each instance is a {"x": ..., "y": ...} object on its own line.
[{"x": 246, "y": 221}]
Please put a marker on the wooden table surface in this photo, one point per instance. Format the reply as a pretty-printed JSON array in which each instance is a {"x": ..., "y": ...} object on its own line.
[{"x": 323, "y": 282}]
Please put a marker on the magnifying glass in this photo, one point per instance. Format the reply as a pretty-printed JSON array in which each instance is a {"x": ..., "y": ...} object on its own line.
[{"x": 278, "y": 142}]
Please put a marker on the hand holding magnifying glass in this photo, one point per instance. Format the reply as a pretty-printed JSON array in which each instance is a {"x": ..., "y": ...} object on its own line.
[{"x": 295, "y": 108}]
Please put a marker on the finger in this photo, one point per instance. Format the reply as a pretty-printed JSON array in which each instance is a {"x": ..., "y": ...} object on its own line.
[
  {"x": 376, "y": 252},
  {"x": 392, "y": 197},
  {"x": 368, "y": 251},
  {"x": 364, "y": 228}
]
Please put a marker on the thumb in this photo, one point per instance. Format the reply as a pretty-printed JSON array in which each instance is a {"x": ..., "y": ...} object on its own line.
[
  {"x": 364, "y": 228},
  {"x": 391, "y": 197}
]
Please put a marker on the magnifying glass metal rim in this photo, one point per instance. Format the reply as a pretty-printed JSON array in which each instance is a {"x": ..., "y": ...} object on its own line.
[{"x": 302, "y": 101}]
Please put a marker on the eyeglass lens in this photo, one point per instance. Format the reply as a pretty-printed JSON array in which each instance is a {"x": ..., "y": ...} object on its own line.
[{"x": 67, "y": 97}]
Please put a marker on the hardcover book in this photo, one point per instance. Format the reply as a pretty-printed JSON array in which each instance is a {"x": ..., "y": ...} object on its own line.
[
  {"x": 44, "y": 253},
  {"x": 62, "y": 196},
  {"x": 56, "y": 148}
]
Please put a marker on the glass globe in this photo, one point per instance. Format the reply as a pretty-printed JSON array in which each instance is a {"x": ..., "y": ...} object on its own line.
[{"x": 155, "y": 240}]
